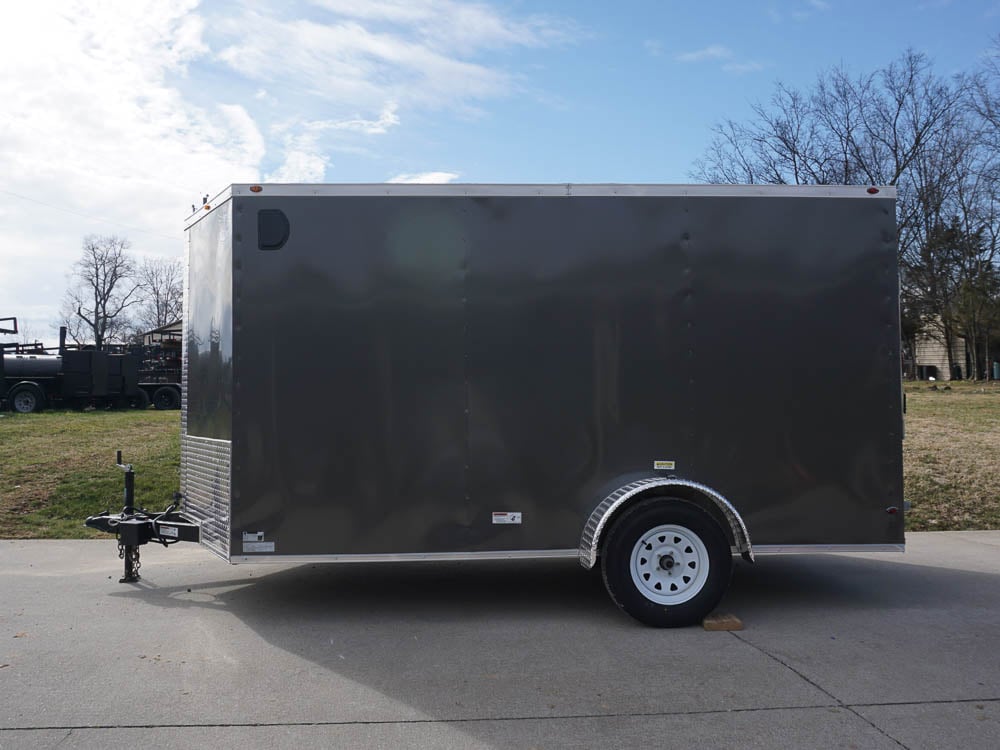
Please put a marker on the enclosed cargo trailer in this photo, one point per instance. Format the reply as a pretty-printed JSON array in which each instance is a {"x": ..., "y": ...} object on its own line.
[{"x": 649, "y": 378}]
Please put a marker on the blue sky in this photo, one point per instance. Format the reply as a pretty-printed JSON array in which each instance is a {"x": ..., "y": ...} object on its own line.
[{"x": 120, "y": 114}]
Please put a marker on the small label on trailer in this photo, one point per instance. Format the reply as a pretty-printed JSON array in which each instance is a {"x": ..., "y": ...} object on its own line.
[
  {"x": 170, "y": 531},
  {"x": 664, "y": 465},
  {"x": 506, "y": 517},
  {"x": 258, "y": 547},
  {"x": 253, "y": 536}
]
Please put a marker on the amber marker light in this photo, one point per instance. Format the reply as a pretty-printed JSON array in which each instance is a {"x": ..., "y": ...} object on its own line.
[{"x": 255, "y": 188}]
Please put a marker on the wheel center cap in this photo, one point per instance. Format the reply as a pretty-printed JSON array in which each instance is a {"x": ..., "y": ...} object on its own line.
[{"x": 667, "y": 562}]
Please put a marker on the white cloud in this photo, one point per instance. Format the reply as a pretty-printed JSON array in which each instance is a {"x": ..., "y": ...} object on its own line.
[
  {"x": 302, "y": 164},
  {"x": 119, "y": 116},
  {"x": 245, "y": 138},
  {"x": 93, "y": 128},
  {"x": 739, "y": 68},
  {"x": 805, "y": 10},
  {"x": 720, "y": 54},
  {"x": 305, "y": 153},
  {"x": 712, "y": 52},
  {"x": 363, "y": 55},
  {"x": 387, "y": 119},
  {"x": 425, "y": 177},
  {"x": 462, "y": 26},
  {"x": 653, "y": 46},
  {"x": 346, "y": 64}
]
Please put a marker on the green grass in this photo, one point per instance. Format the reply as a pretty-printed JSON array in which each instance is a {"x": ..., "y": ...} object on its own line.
[
  {"x": 951, "y": 456},
  {"x": 57, "y": 468}
]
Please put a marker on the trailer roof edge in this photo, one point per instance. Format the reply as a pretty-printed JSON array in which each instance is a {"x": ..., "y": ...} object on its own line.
[{"x": 541, "y": 190}]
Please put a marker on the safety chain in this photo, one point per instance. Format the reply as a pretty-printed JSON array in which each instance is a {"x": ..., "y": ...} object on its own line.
[{"x": 132, "y": 565}]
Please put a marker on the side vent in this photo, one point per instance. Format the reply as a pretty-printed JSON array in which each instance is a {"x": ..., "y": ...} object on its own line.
[{"x": 272, "y": 229}]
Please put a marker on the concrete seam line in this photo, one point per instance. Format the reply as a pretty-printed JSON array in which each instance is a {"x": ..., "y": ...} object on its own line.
[
  {"x": 483, "y": 719},
  {"x": 947, "y": 702},
  {"x": 819, "y": 687},
  {"x": 391, "y": 722}
]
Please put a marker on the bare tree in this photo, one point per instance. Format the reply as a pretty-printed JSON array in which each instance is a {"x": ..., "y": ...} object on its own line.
[
  {"x": 986, "y": 92},
  {"x": 848, "y": 130},
  {"x": 103, "y": 286},
  {"x": 935, "y": 139},
  {"x": 162, "y": 293}
]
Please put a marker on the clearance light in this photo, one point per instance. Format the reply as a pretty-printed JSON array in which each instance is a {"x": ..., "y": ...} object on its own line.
[
  {"x": 255, "y": 188},
  {"x": 872, "y": 190}
]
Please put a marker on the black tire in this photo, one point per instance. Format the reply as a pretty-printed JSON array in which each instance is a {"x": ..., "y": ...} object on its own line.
[
  {"x": 139, "y": 401},
  {"x": 26, "y": 399},
  {"x": 166, "y": 397},
  {"x": 680, "y": 538}
]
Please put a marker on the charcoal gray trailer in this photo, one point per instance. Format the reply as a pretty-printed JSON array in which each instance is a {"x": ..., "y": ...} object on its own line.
[{"x": 650, "y": 378}]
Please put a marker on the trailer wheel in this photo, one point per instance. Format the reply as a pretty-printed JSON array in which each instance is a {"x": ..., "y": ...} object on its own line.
[
  {"x": 26, "y": 398},
  {"x": 666, "y": 562},
  {"x": 166, "y": 398},
  {"x": 139, "y": 401}
]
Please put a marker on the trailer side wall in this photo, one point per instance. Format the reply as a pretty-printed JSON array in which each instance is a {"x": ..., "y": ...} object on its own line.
[{"x": 409, "y": 365}]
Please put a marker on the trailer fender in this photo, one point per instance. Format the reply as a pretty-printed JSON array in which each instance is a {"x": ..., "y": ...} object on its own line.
[{"x": 590, "y": 540}]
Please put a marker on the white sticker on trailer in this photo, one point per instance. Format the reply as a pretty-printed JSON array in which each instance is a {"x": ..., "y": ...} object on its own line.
[
  {"x": 664, "y": 465},
  {"x": 170, "y": 531},
  {"x": 506, "y": 516},
  {"x": 258, "y": 547}
]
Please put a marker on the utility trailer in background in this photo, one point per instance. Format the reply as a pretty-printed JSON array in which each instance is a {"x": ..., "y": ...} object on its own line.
[
  {"x": 34, "y": 377},
  {"x": 649, "y": 378}
]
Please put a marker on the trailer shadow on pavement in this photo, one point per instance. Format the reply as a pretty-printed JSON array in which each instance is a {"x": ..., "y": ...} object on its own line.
[
  {"x": 469, "y": 642},
  {"x": 836, "y": 651},
  {"x": 775, "y": 587}
]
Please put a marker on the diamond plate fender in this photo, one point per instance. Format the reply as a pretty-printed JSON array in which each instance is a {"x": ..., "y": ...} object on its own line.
[{"x": 590, "y": 540}]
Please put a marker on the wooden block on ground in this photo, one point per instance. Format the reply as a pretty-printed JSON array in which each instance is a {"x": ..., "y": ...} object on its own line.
[{"x": 722, "y": 621}]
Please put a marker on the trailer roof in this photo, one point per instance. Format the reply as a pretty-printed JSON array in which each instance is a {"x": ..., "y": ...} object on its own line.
[{"x": 551, "y": 190}]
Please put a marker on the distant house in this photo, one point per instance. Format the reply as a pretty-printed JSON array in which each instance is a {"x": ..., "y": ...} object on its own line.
[
  {"x": 171, "y": 332},
  {"x": 930, "y": 357}
]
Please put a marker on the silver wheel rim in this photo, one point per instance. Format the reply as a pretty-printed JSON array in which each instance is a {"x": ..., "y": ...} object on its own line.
[
  {"x": 24, "y": 402},
  {"x": 669, "y": 564}
]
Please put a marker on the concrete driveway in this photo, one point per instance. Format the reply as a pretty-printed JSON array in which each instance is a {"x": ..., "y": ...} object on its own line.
[{"x": 853, "y": 651}]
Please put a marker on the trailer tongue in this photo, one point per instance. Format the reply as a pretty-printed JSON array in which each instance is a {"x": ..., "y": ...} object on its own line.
[{"x": 135, "y": 527}]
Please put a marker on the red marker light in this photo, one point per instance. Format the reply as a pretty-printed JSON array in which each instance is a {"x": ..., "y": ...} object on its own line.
[
  {"x": 872, "y": 190},
  {"x": 255, "y": 188}
]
